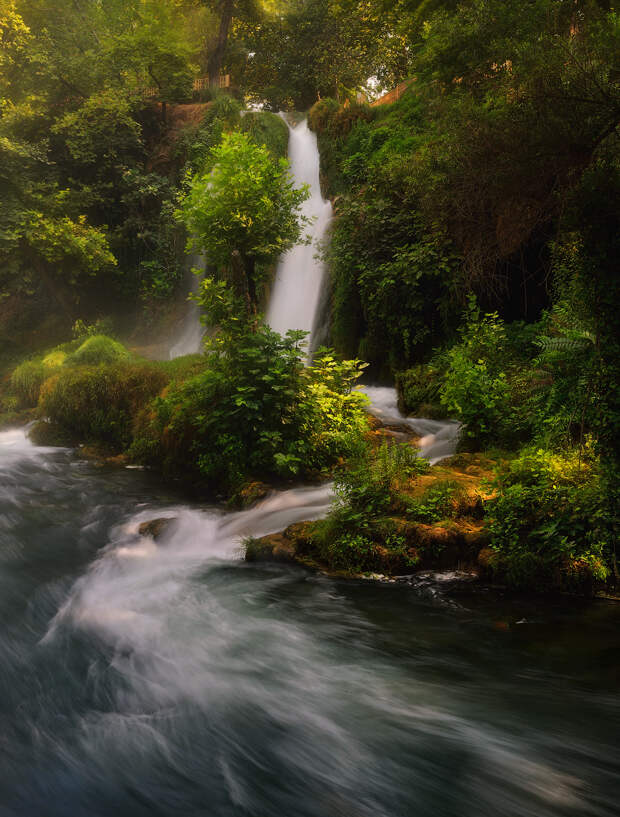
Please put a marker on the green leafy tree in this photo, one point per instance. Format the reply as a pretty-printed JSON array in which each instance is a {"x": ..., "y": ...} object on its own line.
[{"x": 243, "y": 212}]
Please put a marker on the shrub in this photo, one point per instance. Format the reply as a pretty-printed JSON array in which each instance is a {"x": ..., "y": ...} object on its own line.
[
  {"x": 435, "y": 504},
  {"x": 96, "y": 350},
  {"x": 418, "y": 391},
  {"x": 475, "y": 388},
  {"x": 26, "y": 382},
  {"x": 254, "y": 410},
  {"x": 99, "y": 403},
  {"x": 547, "y": 523}
]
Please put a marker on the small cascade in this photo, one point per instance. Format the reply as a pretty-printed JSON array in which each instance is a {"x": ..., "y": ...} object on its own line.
[
  {"x": 299, "y": 278},
  {"x": 188, "y": 340},
  {"x": 438, "y": 438}
]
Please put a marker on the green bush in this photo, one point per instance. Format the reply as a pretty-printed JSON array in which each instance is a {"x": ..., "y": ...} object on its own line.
[
  {"x": 435, "y": 504},
  {"x": 26, "y": 382},
  {"x": 267, "y": 129},
  {"x": 548, "y": 522},
  {"x": 418, "y": 391},
  {"x": 96, "y": 350},
  {"x": 254, "y": 410},
  {"x": 476, "y": 388},
  {"x": 100, "y": 403}
]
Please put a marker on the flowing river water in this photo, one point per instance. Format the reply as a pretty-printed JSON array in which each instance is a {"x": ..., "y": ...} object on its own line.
[{"x": 170, "y": 677}]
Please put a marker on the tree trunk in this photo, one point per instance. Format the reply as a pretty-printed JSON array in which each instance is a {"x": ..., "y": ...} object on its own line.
[{"x": 217, "y": 56}]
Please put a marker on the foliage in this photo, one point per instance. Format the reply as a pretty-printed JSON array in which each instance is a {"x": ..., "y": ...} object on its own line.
[
  {"x": 243, "y": 212},
  {"x": 26, "y": 382},
  {"x": 435, "y": 504},
  {"x": 548, "y": 522},
  {"x": 475, "y": 388},
  {"x": 95, "y": 350},
  {"x": 357, "y": 531},
  {"x": 267, "y": 129},
  {"x": 99, "y": 402},
  {"x": 319, "y": 48},
  {"x": 418, "y": 390},
  {"x": 254, "y": 410}
]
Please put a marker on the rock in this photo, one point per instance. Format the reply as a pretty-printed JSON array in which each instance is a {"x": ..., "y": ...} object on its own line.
[
  {"x": 276, "y": 547},
  {"x": 250, "y": 493},
  {"x": 155, "y": 528}
]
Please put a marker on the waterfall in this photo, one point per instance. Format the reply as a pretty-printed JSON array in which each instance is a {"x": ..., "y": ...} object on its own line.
[
  {"x": 188, "y": 339},
  {"x": 299, "y": 277}
]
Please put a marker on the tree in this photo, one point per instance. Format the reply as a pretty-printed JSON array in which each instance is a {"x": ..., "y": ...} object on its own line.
[{"x": 244, "y": 212}]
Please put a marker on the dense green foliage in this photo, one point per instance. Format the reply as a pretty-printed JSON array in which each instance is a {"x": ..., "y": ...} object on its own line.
[
  {"x": 369, "y": 492},
  {"x": 549, "y": 524},
  {"x": 243, "y": 212}
]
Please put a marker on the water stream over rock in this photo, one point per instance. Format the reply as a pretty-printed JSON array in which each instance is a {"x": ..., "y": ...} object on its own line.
[{"x": 166, "y": 676}]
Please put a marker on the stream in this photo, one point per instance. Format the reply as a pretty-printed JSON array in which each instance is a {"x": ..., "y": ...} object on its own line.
[{"x": 171, "y": 677}]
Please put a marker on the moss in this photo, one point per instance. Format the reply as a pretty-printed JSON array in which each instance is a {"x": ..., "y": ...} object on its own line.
[
  {"x": 101, "y": 402},
  {"x": 96, "y": 350},
  {"x": 26, "y": 382}
]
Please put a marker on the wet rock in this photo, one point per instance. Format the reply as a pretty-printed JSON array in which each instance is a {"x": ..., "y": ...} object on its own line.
[
  {"x": 156, "y": 528},
  {"x": 275, "y": 547},
  {"x": 251, "y": 493}
]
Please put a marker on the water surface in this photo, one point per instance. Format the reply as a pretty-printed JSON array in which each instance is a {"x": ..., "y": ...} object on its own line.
[{"x": 171, "y": 678}]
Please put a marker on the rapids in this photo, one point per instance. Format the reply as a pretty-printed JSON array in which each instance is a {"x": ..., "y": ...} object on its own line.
[{"x": 169, "y": 677}]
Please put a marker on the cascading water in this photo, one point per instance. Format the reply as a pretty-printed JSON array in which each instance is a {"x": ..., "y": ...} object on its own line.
[
  {"x": 300, "y": 275},
  {"x": 299, "y": 284},
  {"x": 438, "y": 438},
  {"x": 188, "y": 339},
  {"x": 166, "y": 676}
]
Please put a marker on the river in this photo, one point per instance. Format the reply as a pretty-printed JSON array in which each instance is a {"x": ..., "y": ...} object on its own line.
[{"x": 172, "y": 678}]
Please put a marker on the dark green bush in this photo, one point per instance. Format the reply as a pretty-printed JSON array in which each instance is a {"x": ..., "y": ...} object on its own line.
[
  {"x": 26, "y": 382},
  {"x": 254, "y": 410},
  {"x": 267, "y": 129},
  {"x": 548, "y": 522},
  {"x": 418, "y": 391}
]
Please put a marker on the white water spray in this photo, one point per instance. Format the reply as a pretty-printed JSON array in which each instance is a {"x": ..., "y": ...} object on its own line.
[
  {"x": 299, "y": 278},
  {"x": 190, "y": 335}
]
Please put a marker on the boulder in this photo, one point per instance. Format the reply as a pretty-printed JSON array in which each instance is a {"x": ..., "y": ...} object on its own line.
[{"x": 156, "y": 528}]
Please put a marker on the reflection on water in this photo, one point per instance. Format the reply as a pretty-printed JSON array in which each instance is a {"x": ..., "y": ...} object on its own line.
[{"x": 142, "y": 677}]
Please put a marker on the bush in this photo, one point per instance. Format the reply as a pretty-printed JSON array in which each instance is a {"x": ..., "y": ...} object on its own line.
[
  {"x": 26, "y": 382},
  {"x": 267, "y": 129},
  {"x": 547, "y": 522},
  {"x": 475, "y": 388},
  {"x": 96, "y": 350},
  {"x": 254, "y": 410},
  {"x": 99, "y": 403},
  {"x": 418, "y": 391}
]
